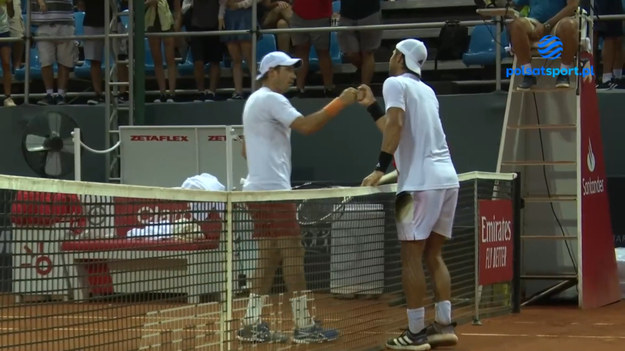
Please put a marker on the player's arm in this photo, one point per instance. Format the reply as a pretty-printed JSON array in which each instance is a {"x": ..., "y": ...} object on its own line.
[
  {"x": 567, "y": 11},
  {"x": 314, "y": 122},
  {"x": 390, "y": 142},
  {"x": 375, "y": 110}
]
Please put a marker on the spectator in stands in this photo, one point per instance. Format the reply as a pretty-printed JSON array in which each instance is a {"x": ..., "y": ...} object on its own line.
[
  {"x": 94, "y": 49},
  {"x": 54, "y": 18},
  {"x": 359, "y": 46},
  {"x": 237, "y": 15},
  {"x": 311, "y": 14},
  {"x": 545, "y": 17},
  {"x": 6, "y": 12},
  {"x": 160, "y": 19},
  {"x": 16, "y": 23},
  {"x": 204, "y": 17},
  {"x": 277, "y": 14},
  {"x": 612, "y": 53}
]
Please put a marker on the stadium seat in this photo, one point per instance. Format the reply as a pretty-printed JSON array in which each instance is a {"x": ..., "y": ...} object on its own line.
[
  {"x": 335, "y": 54},
  {"x": 482, "y": 46},
  {"x": 35, "y": 67},
  {"x": 185, "y": 68},
  {"x": 265, "y": 45},
  {"x": 336, "y": 6},
  {"x": 79, "y": 18},
  {"x": 149, "y": 60}
]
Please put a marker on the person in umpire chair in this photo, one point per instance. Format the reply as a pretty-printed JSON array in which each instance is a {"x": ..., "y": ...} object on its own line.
[
  {"x": 268, "y": 118},
  {"x": 427, "y": 190}
]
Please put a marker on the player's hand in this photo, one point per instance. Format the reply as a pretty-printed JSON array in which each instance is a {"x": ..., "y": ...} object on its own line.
[
  {"x": 372, "y": 179},
  {"x": 222, "y": 24},
  {"x": 282, "y": 5},
  {"x": 365, "y": 95},
  {"x": 349, "y": 96}
]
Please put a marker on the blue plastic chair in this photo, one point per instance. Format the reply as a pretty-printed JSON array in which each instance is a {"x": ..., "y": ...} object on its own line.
[
  {"x": 79, "y": 19},
  {"x": 35, "y": 67},
  {"x": 335, "y": 54},
  {"x": 482, "y": 46},
  {"x": 186, "y": 67},
  {"x": 336, "y": 6},
  {"x": 265, "y": 45}
]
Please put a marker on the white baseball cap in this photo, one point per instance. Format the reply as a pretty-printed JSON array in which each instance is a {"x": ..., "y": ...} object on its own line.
[
  {"x": 415, "y": 54},
  {"x": 276, "y": 59}
]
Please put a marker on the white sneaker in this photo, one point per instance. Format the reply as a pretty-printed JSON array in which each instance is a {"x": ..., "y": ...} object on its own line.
[{"x": 8, "y": 102}]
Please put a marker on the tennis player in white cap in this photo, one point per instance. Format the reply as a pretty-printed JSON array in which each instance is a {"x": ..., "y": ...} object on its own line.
[
  {"x": 268, "y": 118},
  {"x": 427, "y": 190}
]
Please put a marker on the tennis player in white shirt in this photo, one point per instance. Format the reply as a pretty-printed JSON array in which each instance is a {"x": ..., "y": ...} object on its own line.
[
  {"x": 427, "y": 190},
  {"x": 268, "y": 118}
]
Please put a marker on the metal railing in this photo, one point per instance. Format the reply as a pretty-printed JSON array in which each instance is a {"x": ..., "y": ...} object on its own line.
[{"x": 256, "y": 32}]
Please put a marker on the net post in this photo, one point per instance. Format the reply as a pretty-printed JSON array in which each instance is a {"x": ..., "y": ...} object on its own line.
[
  {"x": 229, "y": 180},
  {"x": 516, "y": 278},
  {"x": 77, "y": 148},
  {"x": 477, "y": 297},
  {"x": 229, "y": 272}
]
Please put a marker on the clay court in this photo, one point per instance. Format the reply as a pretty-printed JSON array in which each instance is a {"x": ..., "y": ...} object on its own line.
[{"x": 150, "y": 326}]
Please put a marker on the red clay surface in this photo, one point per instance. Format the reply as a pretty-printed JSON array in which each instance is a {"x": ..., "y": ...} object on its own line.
[{"x": 364, "y": 325}]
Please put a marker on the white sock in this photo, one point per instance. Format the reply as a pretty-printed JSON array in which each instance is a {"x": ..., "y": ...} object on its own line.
[
  {"x": 416, "y": 319},
  {"x": 301, "y": 316},
  {"x": 527, "y": 69},
  {"x": 618, "y": 73},
  {"x": 443, "y": 312},
  {"x": 49, "y": 91},
  {"x": 61, "y": 92},
  {"x": 254, "y": 309},
  {"x": 606, "y": 77}
]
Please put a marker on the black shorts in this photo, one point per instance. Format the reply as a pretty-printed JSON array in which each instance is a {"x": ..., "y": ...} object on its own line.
[
  {"x": 206, "y": 49},
  {"x": 608, "y": 29}
]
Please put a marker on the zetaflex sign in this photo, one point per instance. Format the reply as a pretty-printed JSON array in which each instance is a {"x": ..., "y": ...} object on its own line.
[{"x": 495, "y": 241}]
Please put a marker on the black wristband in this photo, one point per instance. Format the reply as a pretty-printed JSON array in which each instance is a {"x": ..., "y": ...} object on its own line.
[
  {"x": 384, "y": 161},
  {"x": 376, "y": 111}
]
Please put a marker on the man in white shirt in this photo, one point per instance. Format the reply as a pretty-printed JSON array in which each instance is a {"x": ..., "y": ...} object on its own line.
[
  {"x": 427, "y": 190},
  {"x": 268, "y": 118}
]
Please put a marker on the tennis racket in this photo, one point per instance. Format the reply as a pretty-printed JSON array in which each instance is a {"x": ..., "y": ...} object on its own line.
[{"x": 319, "y": 211}]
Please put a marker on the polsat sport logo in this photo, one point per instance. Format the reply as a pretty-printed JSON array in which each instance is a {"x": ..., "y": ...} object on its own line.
[{"x": 550, "y": 47}]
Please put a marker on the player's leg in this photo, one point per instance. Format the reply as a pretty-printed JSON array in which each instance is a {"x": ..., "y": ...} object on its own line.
[
  {"x": 414, "y": 216},
  {"x": 441, "y": 332},
  {"x": 253, "y": 329},
  {"x": 292, "y": 252}
]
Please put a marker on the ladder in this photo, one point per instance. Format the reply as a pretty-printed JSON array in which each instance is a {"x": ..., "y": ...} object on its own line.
[
  {"x": 546, "y": 137},
  {"x": 539, "y": 140},
  {"x": 115, "y": 83}
]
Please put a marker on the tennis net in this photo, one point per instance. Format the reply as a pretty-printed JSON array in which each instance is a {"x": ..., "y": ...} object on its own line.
[{"x": 91, "y": 266}]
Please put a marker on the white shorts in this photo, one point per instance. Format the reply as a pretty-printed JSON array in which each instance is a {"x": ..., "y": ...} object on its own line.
[
  {"x": 63, "y": 52},
  {"x": 419, "y": 213}
]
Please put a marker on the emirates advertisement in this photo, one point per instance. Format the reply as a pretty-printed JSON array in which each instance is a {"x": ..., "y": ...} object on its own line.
[
  {"x": 495, "y": 241},
  {"x": 598, "y": 262}
]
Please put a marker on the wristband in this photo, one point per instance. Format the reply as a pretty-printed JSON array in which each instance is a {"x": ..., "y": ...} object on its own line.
[
  {"x": 376, "y": 111},
  {"x": 334, "y": 107},
  {"x": 384, "y": 161}
]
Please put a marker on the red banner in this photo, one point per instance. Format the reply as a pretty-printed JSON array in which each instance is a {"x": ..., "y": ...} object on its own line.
[
  {"x": 496, "y": 225},
  {"x": 599, "y": 278}
]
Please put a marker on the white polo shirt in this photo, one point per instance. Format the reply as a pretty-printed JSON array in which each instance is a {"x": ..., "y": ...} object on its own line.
[
  {"x": 422, "y": 158},
  {"x": 267, "y": 118}
]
